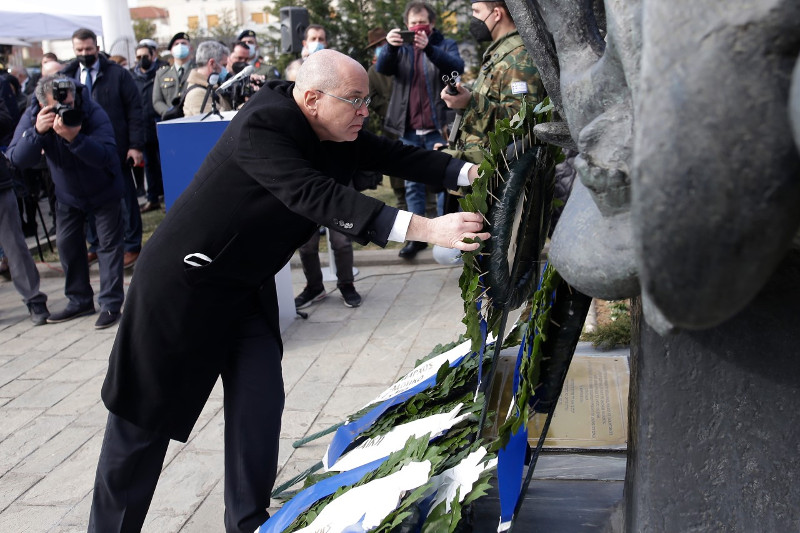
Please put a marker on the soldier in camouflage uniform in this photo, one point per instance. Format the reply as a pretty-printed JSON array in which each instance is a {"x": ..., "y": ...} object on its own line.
[{"x": 507, "y": 76}]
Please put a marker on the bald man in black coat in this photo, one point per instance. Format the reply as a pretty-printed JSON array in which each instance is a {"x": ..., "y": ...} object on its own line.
[{"x": 203, "y": 302}]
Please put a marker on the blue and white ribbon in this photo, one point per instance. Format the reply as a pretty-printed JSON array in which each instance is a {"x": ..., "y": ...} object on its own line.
[
  {"x": 416, "y": 381},
  {"x": 304, "y": 499}
]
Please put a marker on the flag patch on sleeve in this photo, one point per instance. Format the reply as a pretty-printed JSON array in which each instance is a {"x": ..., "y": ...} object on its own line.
[{"x": 519, "y": 87}]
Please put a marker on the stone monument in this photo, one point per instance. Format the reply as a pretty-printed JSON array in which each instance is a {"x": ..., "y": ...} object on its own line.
[{"x": 686, "y": 117}]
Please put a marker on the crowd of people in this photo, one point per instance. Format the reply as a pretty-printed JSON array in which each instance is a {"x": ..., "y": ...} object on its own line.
[
  {"x": 203, "y": 302},
  {"x": 406, "y": 89}
]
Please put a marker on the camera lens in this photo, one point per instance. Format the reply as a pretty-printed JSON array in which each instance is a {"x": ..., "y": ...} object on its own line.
[{"x": 70, "y": 117}]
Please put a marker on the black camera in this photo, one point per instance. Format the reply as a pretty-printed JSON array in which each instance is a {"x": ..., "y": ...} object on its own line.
[
  {"x": 70, "y": 116},
  {"x": 238, "y": 93}
]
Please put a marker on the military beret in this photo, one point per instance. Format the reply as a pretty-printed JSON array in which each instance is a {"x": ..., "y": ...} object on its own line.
[
  {"x": 246, "y": 33},
  {"x": 180, "y": 35}
]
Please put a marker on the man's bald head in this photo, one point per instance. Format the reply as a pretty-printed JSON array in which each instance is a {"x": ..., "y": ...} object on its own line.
[
  {"x": 50, "y": 68},
  {"x": 323, "y": 70},
  {"x": 328, "y": 83}
]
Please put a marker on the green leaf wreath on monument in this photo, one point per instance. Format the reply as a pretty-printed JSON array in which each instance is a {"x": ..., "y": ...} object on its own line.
[{"x": 514, "y": 194}]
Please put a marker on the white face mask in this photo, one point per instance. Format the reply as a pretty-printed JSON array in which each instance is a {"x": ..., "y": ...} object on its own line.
[
  {"x": 181, "y": 51},
  {"x": 252, "y": 48},
  {"x": 316, "y": 46}
]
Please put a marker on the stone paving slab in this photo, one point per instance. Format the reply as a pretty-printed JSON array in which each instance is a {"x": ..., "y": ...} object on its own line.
[
  {"x": 335, "y": 361},
  {"x": 52, "y": 419}
]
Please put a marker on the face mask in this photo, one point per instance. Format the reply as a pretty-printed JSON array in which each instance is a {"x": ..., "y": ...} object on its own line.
[
  {"x": 145, "y": 63},
  {"x": 479, "y": 30},
  {"x": 239, "y": 66},
  {"x": 223, "y": 74},
  {"x": 252, "y": 48},
  {"x": 87, "y": 61},
  {"x": 316, "y": 46},
  {"x": 377, "y": 52},
  {"x": 423, "y": 28},
  {"x": 180, "y": 51}
]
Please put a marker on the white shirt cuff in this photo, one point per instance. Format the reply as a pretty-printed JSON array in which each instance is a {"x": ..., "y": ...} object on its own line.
[
  {"x": 463, "y": 175},
  {"x": 400, "y": 227}
]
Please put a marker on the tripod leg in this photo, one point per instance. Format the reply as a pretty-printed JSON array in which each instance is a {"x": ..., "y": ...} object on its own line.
[{"x": 44, "y": 227}]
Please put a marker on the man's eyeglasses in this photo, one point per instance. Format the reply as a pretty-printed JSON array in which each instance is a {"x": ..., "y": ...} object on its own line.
[{"x": 357, "y": 103}]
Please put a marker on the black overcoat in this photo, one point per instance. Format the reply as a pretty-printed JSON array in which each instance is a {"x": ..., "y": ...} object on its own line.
[{"x": 260, "y": 193}]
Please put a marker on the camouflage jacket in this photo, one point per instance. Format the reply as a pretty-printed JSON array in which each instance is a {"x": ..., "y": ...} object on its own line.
[
  {"x": 265, "y": 69},
  {"x": 507, "y": 76}
]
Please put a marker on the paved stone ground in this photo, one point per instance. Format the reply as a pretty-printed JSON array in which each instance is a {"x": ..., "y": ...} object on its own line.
[{"x": 51, "y": 416}]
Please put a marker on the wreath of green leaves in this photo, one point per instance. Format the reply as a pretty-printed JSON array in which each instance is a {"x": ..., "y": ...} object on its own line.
[
  {"x": 483, "y": 192},
  {"x": 458, "y": 384}
]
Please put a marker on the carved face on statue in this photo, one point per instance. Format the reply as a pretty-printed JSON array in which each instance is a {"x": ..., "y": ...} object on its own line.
[{"x": 689, "y": 173}]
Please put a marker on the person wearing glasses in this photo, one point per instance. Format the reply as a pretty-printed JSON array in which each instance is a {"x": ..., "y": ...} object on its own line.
[{"x": 203, "y": 305}]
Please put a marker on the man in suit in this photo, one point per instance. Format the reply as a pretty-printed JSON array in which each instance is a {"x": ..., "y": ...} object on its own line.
[
  {"x": 112, "y": 86},
  {"x": 204, "y": 303}
]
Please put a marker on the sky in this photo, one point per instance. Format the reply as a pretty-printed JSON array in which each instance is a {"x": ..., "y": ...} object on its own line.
[{"x": 84, "y": 7}]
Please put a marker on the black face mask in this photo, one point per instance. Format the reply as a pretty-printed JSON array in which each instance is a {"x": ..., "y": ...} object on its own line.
[
  {"x": 239, "y": 66},
  {"x": 145, "y": 63},
  {"x": 87, "y": 61},
  {"x": 479, "y": 30}
]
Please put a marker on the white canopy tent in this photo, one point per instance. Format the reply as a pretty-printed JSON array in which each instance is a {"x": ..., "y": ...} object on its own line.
[{"x": 34, "y": 27}]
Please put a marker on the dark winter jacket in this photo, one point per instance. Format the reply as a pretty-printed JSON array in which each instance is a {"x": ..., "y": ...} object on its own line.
[
  {"x": 144, "y": 81},
  {"x": 442, "y": 57},
  {"x": 116, "y": 92},
  {"x": 10, "y": 104},
  {"x": 6, "y": 129},
  {"x": 86, "y": 172}
]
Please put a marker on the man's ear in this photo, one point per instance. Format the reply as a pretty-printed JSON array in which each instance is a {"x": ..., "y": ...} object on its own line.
[
  {"x": 310, "y": 100},
  {"x": 498, "y": 14}
]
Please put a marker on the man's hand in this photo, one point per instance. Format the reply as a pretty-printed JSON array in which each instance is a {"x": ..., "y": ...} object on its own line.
[
  {"x": 394, "y": 38},
  {"x": 472, "y": 174},
  {"x": 45, "y": 119},
  {"x": 420, "y": 40},
  {"x": 136, "y": 155},
  {"x": 456, "y": 101},
  {"x": 256, "y": 81},
  {"x": 68, "y": 133},
  {"x": 448, "y": 230}
]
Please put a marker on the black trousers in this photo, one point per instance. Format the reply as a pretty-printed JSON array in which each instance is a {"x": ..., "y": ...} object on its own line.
[
  {"x": 342, "y": 256},
  {"x": 131, "y": 458}
]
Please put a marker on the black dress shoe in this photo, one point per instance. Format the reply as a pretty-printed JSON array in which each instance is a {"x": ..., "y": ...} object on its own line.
[
  {"x": 150, "y": 206},
  {"x": 69, "y": 313},
  {"x": 409, "y": 251},
  {"x": 38, "y": 312},
  {"x": 106, "y": 319}
]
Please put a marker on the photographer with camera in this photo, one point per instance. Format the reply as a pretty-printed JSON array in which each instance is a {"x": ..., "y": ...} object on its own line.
[
  {"x": 417, "y": 58},
  {"x": 241, "y": 90},
  {"x": 77, "y": 138}
]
